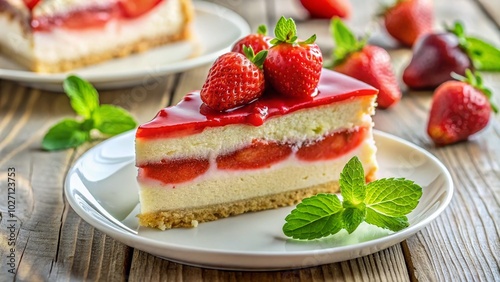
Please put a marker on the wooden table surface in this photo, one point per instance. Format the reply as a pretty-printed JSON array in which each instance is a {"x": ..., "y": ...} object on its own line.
[{"x": 53, "y": 243}]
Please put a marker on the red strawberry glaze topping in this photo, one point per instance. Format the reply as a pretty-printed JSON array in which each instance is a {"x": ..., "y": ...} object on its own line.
[{"x": 191, "y": 116}]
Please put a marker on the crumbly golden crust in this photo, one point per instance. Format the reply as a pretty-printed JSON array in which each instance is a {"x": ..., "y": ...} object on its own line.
[
  {"x": 140, "y": 45},
  {"x": 191, "y": 217}
]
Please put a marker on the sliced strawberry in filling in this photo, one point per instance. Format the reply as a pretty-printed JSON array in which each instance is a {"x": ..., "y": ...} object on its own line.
[
  {"x": 135, "y": 8},
  {"x": 332, "y": 146},
  {"x": 175, "y": 171},
  {"x": 258, "y": 155}
]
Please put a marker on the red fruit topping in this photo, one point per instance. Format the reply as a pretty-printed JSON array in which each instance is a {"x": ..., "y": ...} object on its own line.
[
  {"x": 293, "y": 68},
  {"x": 332, "y": 146},
  {"x": 407, "y": 20},
  {"x": 175, "y": 171},
  {"x": 31, "y": 3},
  {"x": 327, "y": 8},
  {"x": 459, "y": 109},
  {"x": 368, "y": 63},
  {"x": 435, "y": 57},
  {"x": 258, "y": 41},
  {"x": 135, "y": 8},
  {"x": 259, "y": 154},
  {"x": 234, "y": 80}
]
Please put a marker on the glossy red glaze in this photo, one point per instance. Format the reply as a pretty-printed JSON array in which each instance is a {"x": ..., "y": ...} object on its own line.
[{"x": 191, "y": 116}]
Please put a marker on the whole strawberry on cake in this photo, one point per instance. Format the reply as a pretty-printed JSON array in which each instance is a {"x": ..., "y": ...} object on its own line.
[
  {"x": 59, "y": 35},
  {"x": 265, "y": 131}
]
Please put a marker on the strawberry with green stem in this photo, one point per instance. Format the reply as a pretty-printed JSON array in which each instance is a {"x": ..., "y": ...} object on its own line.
[
  {"x": 459, "y": 109},
  {"x": 258, "y": 41},
  {"x": 327, "y": 9},
  {"x": 437, "y": 55},
  {"x": 368, "y": 63},
  {"x": 293, "y": 67},
  {"x": 234, "y": 80}
]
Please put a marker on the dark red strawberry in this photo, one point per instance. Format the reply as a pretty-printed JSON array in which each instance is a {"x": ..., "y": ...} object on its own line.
[
  {"x": 293, "y": 67},
  {"x": 407, "y": 20},
  {"x": 459, "y": 109},
  {"x": 370, "y": 64},
  {"x": 258, "y": 41},
  {"x": 259, "y": 154},
  {"x": 327, "y": 9},
  {"x": 31, "y": 3},
  {"x": 234, "y": 80},
  {"x": 437, "y": 55},
  {"x": 135, "y": 8}
]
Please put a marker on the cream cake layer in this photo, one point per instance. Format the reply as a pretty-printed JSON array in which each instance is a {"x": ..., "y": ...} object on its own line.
[
  {"x": 59, "y": 48},
  {"x": 236, "y": 185}
]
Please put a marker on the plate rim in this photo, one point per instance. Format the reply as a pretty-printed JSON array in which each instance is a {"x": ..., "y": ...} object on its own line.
[
  {"x": 212, "y": 9},
  {"x": 133, "y": 240}
]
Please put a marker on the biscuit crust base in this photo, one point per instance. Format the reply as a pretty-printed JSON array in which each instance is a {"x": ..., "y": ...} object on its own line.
[{"x": 191, "y": 217}]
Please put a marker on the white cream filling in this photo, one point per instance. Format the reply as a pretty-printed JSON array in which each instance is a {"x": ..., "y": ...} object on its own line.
[{"x": 220, "y": 186}]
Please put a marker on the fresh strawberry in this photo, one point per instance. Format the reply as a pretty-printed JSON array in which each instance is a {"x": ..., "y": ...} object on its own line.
[
  {"x": 332, "y": 146},
  {"x": 135, "y": 8},
  {"x": 258, "y": 41},
  {"x": 327, "y": 9},
  {"x": 459, "y": 109},
  {"x": 370, "y": 64},
  {"x": 407, "y": 20},
  {"x": 234, "y": 80},
  {"x": 293, "y": 67},
  {"x": 31, "y": 3},
  {"x": 437, "y": 55},
  {"x": 259, "y": 154},
  {"x": 175, "y": 171}
]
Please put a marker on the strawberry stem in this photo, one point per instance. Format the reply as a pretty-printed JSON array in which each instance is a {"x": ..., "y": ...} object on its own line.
[
  {"x": 286, "y": 32},
  {"x": 476, "y": 81},
  {"x": 346, "y": 42},
  {"x": 258, "y": 59}
]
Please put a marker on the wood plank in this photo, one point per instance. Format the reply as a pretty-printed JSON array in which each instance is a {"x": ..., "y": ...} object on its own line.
[{"x": 492, "y": 8}]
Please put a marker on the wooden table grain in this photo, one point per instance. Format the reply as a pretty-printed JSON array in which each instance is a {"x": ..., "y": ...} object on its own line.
[{"x": 54, "y": 244}]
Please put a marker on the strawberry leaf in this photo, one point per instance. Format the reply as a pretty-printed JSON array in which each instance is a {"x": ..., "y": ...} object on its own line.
[
  {"x": 345, "y": 41},
  {"x": 483, "y": 55},
  {"x": 262, "y": 29},
  {"x": 285, "y": 31},
  {"x": 258, "y": 59}
]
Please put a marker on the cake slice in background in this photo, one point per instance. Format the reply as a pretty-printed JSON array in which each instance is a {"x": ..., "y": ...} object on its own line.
[{"x": 52, "y": 36}]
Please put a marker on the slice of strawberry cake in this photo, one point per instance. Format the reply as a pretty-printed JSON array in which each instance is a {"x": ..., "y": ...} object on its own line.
[
  {"x": 60, "y": 35},
  {"x": 234, "y": 147}
]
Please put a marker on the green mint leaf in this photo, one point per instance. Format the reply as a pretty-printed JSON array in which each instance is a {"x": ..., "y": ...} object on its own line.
[
  {"x": 112, "y": 120},
  {"x": 315, "y": 217},
  {"x": 384, "y": 221},
  {"x": 285, "y": 30},
  {"x": 83, "y": 96},
  {"x": 484, "y": 56},
  {"x": 392, "y": 196},
  {"x": 352, "y": 181},
  {"x": 68, "y": 133},
  {"x": 352, "y": 218}
]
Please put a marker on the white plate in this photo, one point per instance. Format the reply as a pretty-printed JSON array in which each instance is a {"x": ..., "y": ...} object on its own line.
[
  {"x": 252, "y": 241},
  {"x": 215, "y": 28}
]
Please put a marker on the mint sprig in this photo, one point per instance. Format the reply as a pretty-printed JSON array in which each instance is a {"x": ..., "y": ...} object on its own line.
[
  {"x": 84, "y": 99},
  {"x": 383, "y": 203}
]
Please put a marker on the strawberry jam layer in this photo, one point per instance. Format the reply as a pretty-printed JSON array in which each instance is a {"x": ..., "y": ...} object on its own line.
[
  {"x": 191, "y": 116},
  {"x": 94, "y": 16},
  {"x": 259, "y": 154}
]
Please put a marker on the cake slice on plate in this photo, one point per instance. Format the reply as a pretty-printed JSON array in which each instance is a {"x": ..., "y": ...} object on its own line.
[
  {"x": 233, "y": 148},
  {"x": 59, "y": 35}
]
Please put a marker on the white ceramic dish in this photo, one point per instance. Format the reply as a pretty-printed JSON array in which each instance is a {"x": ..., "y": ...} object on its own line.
[
  {"x": 215, "y": 28},
  {"x": 104, "y": 178}
]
